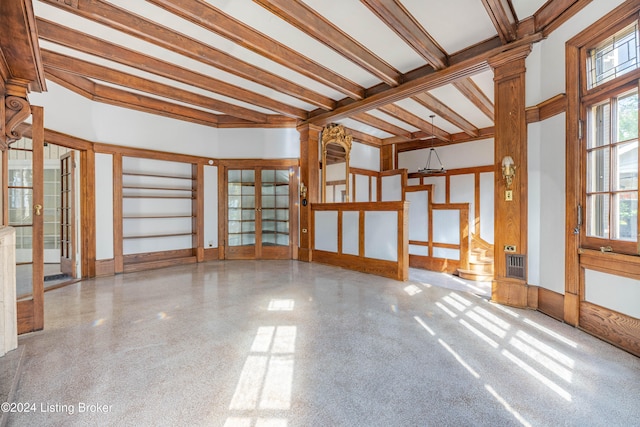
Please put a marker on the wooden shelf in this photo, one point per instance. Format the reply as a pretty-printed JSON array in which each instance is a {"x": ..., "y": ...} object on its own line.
[
  {"x": 155, "y": 236},
  {"x": 157, "y": 175},
  {"x": 146, "y": 187},
  {"x": 158, "y": 216},
  {"x": 149, "y": 196}
]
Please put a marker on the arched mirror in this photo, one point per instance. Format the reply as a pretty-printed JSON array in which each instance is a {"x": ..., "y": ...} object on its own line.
[{"x": 336, "y": 148}]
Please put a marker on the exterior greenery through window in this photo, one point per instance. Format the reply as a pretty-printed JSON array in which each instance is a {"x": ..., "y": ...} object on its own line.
[{"x": 612, "y": 142}]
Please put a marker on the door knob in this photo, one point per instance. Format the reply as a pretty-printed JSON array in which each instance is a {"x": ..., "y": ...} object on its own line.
[{"x": 38, "y": 209}]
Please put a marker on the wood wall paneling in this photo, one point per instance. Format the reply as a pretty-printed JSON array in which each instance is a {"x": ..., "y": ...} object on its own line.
[
  {"x": 550, "y": 303},
  {"x": 616, "y": 328}
]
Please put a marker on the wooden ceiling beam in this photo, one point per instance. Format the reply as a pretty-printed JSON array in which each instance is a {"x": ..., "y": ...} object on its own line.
[
  {"x": 420, "y": 139},
  {"x": 503, "y": 19},
  {"x": 91, "y": 45},
  {"x": 474, "y": 94},
  {"x": 213, "y": 19},
  {"x": 379, "y": 123},
  {"x": 410, "y": 118},
  {"x": 122, "y": 98},
  {"x": 434, "y": 104},
  {"x": 555, "y": 13},
  {"x": 315, "y": 25},
  {"x": 98, "y": 72},
  {"x": 398, "y": 19},
  {"x": 144, "y": 29},
  {"x": 365, "y": 138},
  {"x": 463, "y": 65}
]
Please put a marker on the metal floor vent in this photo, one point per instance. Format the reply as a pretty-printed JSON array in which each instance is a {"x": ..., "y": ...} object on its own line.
[{"x": 516, "y": 266}]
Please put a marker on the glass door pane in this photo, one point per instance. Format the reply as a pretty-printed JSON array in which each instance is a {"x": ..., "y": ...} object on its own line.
[
  {"x": 241, "y": 213},
  {"x": 275, "y": 207},
  {"x": 20, "y": 210}
]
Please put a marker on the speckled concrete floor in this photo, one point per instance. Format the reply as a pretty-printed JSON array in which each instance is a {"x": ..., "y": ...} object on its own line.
[{"x": 283, "y": 343}]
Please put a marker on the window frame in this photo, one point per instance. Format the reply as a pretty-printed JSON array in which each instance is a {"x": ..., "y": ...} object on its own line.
[{"x": 589, "y": 98}]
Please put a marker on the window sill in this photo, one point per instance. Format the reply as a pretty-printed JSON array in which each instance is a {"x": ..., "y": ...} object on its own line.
[{"x": 610, "y": 262}]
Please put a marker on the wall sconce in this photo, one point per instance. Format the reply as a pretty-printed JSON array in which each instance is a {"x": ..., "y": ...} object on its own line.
[{"x": 508, "y": 173}]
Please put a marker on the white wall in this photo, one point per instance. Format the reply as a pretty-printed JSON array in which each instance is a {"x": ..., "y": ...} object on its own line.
[
  {"x": 75, "y": 115},
  {"x": 104, "y": 206},
  {"x": 455, "y": 156},
  {"x": 546, "y": 152},
  {"x": 364, "y": 157}
]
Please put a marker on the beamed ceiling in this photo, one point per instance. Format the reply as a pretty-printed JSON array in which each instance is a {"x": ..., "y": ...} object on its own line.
[{"x": 379, "y": 67}]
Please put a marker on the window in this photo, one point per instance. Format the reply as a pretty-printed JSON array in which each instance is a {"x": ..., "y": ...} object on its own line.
[
  {"x": 612, "y": 168},
  {"x": 614, "y": 57},
  {"x": 610, "y": 157}
]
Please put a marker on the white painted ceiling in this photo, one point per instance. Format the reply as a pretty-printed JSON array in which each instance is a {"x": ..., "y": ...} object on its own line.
[{"x": 455, "y": 25}]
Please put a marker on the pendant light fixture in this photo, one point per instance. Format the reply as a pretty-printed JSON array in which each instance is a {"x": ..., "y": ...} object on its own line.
[{"x": 428, "y": 170}]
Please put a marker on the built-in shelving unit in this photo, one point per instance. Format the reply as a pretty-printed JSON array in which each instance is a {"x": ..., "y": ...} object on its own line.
[{"x": 158, "y": 212}]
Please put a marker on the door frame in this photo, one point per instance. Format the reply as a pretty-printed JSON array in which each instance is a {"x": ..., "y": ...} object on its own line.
[{"x": 258, "y": 165}]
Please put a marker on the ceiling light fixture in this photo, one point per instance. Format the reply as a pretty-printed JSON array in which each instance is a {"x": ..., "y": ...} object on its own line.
[{"x": 428, "y": 170}]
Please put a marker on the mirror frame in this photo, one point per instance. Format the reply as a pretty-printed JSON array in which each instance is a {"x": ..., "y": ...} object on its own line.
[{"x": 335, "y": 134}]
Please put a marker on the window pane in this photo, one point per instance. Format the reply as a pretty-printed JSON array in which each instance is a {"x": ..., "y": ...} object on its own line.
[
  {"x": 282, "y": 176},
  {"x": 20, "y": 206},
  {"x": 627, "y": 117},
  {"x": 600, "y": 125},
  {"x": 598, "y": 215},
  {"x": 268, "y": 176},
  {"x": 234, "y": 189},
  {"x": 248, "y": 176},
  {"x": 626, "y": 166},
  {"x": 234, "y": 176},
  {"x": 625, "y": 216},
  {"x": 598, "y": 170},
  {"x": 614, "y": 57}
]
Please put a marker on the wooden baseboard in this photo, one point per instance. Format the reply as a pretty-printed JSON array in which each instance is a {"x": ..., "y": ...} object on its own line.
[
  {"x": 153, "y": 260},
  {"x": 434, "y": 264},
  {"x": 156, "y": 256},
  {"x": 304, "y": 254},
  {"x": 152, "y": 265},
  {"x": 551, "y": 303},
  {"x": 105, "y": 267},
  {"x": 211, "y": 254},
  {"x": 616, "y": 328}
]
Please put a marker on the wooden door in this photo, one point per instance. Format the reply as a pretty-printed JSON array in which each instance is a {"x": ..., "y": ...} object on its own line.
[
  {"x": 24, "y": 190},
  {"x": 258, "y": 212},
  {"x": 67, "y": 215}
]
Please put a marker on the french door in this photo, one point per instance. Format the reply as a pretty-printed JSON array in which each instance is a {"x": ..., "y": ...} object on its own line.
[
  {"x": 259, "y": 203},
  {"x": 23, "y": 187},
  {"x": 67, "y": 215}
]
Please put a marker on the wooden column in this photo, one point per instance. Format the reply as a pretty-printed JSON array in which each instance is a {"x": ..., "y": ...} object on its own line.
[
  {"x": 309, "y": 176},
  {"x": 386, "y": 158},
  {"x": 510, "y": 140}
]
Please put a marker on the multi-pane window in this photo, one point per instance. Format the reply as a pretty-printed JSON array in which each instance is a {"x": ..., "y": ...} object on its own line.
[
  {"x": 612, "y": 168},
  {"x": 610, "y": 159}
]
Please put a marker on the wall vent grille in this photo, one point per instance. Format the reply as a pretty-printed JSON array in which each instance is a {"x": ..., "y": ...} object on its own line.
[{"x": 516, "y": 266}]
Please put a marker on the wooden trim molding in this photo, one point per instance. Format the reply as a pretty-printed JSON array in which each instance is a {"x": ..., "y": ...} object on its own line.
[{"x": 547, "y": 109}]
